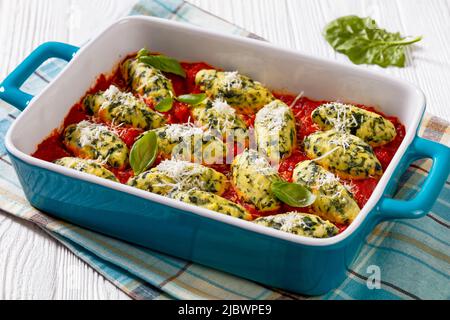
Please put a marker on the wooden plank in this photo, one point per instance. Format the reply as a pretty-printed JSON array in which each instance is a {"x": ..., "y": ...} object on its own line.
[
  {"x": 32, "y": 265},
  {"x": 298, "y": 24}
]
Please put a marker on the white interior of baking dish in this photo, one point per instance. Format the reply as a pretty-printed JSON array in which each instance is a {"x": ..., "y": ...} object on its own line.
[{"x": 279, "y": 69}]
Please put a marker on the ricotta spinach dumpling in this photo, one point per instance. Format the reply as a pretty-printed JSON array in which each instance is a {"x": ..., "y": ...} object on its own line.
[
  {"x": 186, "y": 142},
  {"x": 212, "y": 202},
  {"x": 153, "y": 181},
  {"x": 302, "y": 224},
  {"x": 218, "y": 117},
  {"x": 88, "y": 166},
  {"x": 120, "y": 108},
  {"x": 252, "y": 178},
  {"x": 275, "y": 130},
  {"x": 239, "y": 91},
  {"x": 90, "y": 140},
  {"x": 333, "y": 201},
  {"x": 146, "y": 80},
  {"x": 177, "y": 175},
  {"x": 343, "y": 154},
  {"x": 369, "y": 126}
]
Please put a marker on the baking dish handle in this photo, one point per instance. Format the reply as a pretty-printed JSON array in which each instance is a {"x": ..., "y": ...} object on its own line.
[
  {"x": 10, "y": 88},
  {"x": 422, "y": 203}
]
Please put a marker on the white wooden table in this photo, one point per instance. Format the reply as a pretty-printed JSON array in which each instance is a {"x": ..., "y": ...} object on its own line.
[{"x": 33, "y": 265}]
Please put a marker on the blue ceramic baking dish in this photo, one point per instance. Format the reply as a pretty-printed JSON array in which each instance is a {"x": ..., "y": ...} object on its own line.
[{"x": 271, "y": 257}]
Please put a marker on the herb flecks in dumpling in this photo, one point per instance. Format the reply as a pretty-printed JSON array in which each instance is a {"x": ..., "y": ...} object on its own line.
[
  {"x": 212, "y": 202},
  {"x": 87, "y": 166},
  {"x": 343, "y": 154},
  {"x": 120, "y": 108},
  {"x": 253, "y": 177},
  {"x": 333, "y": 201},
  {"x": 177, "y": 175},
  {"x": 190, "y": 143},
  {"x": 369, "y": 126},
  {"x": 239, "y": 91},
  {"x": 275, "y": 130},
  {"x": 302, "y": 224},
  {"x": 220, "y": 118},
  {"x": 147, "y": 81},
  {"x": 90, "y": 140}
]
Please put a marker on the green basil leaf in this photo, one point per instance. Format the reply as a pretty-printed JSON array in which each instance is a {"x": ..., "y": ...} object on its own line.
[
  {"x": 163, "y": 63},
  {"x": 363, "y": 42},
  {"x": 143, "y": 52},
  {"x": 143, "y": 153},
  {"x": 164, "y": 105},
  {"x": 192, "y": 99},
  {"x": 293, "y": 194}
]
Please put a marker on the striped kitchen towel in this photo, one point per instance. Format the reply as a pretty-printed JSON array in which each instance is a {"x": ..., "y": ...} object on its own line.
[{"x": 412, "y": 255}]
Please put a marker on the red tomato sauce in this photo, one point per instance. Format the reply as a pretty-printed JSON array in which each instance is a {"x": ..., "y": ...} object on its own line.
[
  {"x": 52, "y": 148},
  {"x": 361, "y": 188}
]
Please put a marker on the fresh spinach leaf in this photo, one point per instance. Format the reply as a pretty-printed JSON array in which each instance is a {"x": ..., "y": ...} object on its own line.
[
  {"x": 292, "y": 194},
  {"x": 143, "y": 153},
  {"x": 164, "y": 105},
  {"x": 161, "y": 62},
  {"x": 143, "y": 52},
  {"x": 192, "y": 99},
  {"x": 364, "y": 42}
]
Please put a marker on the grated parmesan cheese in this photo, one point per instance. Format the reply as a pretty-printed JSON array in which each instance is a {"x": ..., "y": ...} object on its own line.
[
  {"x": 296, "y": 99},
  {"x": 90, "y": 132},
  {"x": 262, "y": 166},
  {"x": 221, "y": 116},
  {"x": 187, "y": 175},
  {"x": 221, "y": 106},
  {"x": 326, "y": 154},
  {"x": 290, "y": 221},
  {"x": 350, "y": 187},
  {"x": 231, "y": 80},
  {"x": 341, "y": 122},
  {"x": 341, "y": 140},
  {"x": 179, "y": 131},
  {"x": 273, "y": 116},
  {"x": 113, "y": 94},
  {"x": 328, "y": 182},
  {"x": 126, "y": 100},
  {"x": 179, "y": 168},
  {"x": 326, "y": 179},
  {"x": 80, "y": 166}
]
